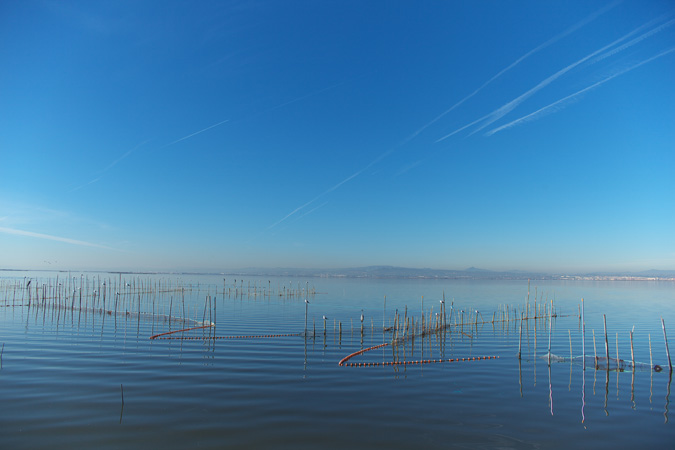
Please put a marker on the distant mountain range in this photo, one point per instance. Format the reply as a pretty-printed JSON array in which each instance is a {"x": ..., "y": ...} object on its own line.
[{"x": 469, "y": 273}]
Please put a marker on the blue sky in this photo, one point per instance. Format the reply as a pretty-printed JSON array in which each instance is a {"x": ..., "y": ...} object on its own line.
[{"x": 163, "y": 135}]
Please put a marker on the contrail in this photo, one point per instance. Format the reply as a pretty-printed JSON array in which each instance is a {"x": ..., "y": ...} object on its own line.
[
  {"x": 293, "y": 212},
  {"x": 550, "y": 108},
  {"x": 305, "y": 214},
  {"x": 297, "y": 99},
  {"x": 196, "y": 133},
  {"x": 328, "y": 191},
  {"x": 294, "y": 100},
  {"x": 510, "y": 106},
  {"x": 51, "y": 238},
  {"x": 310, "y": 94},
  {"x": 114, "y": 163},
  {"x": 110, "y": 166},
  {"x": 540, "y": 47},
  {"x": 312, "y": 210},
  {"x": 637, "y": 39},
  {"x": 420, "y": 130},
  {"x": 409, "y": 167},
  {"x": 85, "y": 184}
]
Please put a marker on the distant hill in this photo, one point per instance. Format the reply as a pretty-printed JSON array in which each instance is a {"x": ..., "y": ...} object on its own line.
[
  {"x": 390, "y": 272},
  {"x": 657, "y": 273},
  {"x": 471, "y": 273}
]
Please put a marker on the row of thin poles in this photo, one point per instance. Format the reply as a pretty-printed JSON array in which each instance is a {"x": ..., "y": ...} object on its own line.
[
  {"x": 260, "y": 289},
  {"x": 105, "y": 295},
  {"x": 583, "y": 340},
  {"x": 405, "y": 326},
  {"x": 15, "y": 291}
]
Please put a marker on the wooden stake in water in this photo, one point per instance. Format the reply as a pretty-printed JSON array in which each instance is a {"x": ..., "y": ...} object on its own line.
[
  {"x": 663, "y": 325},
  {"x": 595, "y": 351},
  {"x": 604, "y": 320},
  {"x": 550, "y": 331},
  {"x": 617, "y": 352},
  {"x": 583, "y": 336},
  {"x": 443, "y": 311},
  {"x": 384, "y": 313},
  {"x": 651, "y": 363},
  {"x": 632, "y": 355},
  {"x": 528, "y": 299},
  {"x": 306, "y": 308},
  {"x": 569, "y": 333},
  {"x": 520, "y": 339}
]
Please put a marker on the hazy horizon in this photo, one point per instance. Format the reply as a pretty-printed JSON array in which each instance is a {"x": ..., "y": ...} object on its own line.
[
  {"x": 161, "y": 136},
  {"x": 378, "y": 271}
]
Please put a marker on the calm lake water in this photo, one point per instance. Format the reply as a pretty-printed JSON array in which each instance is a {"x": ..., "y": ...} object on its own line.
[{"x": 78, "y": 373}]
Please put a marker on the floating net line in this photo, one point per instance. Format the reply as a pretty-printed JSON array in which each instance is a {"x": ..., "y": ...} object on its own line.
[
  {"x": 203, "y": 338},
  {"x": 146, "y": 316},
  {"x": 602, "y": 363},
  {"x": 343, "y": 361},
  {"x": 166, "y": 336},
  {"x": 419, "y": 361}
]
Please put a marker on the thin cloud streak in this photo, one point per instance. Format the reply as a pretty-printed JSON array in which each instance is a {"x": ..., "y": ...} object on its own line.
[
  {"x": 302, "y": 215},
  {"x": 557, "y": 105},
  {"x": 513, "y": 104},
  {"x": 125, "y": 155},
  {"x": 310, "y": 94},
  {"x": 110, "y": 166},
  {"x": 85, "y": 185},
  {"x": 409, "y": 167},
  {"x": 114, "y": 163},
  {"x": 51, "y": 238},
  {"x": 354, "y": 175},
  {"x": 540, "y": 47},
  {"x": 420, "y": 130},
  {"x": 637, "y": 39},
  {"x": 196, "y": 133},
  {"x": 328, "y": 191},
  {"x": 500, "y": 112},
  {"x": 297, "y": 99},
  {"x": 292, "y": 212},
  {"x": 495, "y": 114},
  {"x": 311, "y": 210}
]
